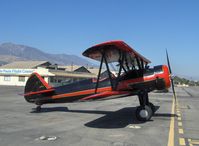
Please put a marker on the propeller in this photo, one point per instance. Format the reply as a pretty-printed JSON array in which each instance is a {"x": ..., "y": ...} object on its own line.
[{"x": 170, "y": 71}]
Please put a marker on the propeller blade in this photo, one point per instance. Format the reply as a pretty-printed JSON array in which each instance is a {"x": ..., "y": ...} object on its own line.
[
  {"x": 168, "y": 62},
  {"x": 171, "y": 78}
]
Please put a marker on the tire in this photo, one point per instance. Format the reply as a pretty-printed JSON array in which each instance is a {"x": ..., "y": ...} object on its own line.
[{"x": 144, "y": 113}]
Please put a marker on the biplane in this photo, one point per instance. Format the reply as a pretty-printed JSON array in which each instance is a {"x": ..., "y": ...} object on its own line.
[{"x": 134, "y": 77}]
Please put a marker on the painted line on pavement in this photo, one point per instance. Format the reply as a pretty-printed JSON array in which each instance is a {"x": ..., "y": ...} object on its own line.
[{"x": 172, "y": 126}]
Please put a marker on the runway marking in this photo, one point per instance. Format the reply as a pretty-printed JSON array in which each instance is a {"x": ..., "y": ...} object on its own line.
[
  {"x": 181, "y": 131},
  {"x": 189, "y": 140},
  {"x": 182, "y": 141},
  {"x": 178, "y": 112},
  {"x": 179, "y": 124},
  {"x": 171, "y": 129},
  {"x": 179, "y": 118},
  {"x": 134, "y": 126},
  {"x": 193, "y": 142}
]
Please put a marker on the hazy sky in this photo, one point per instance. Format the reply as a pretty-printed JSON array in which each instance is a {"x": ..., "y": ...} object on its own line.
[{"x": 71, "y": 26}]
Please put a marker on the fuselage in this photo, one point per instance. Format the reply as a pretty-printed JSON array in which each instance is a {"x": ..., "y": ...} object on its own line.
[{"x": 131, "y": 82}]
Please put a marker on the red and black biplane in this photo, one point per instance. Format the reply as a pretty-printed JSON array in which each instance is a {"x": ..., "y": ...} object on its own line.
[{"x": 134, "y": 77}]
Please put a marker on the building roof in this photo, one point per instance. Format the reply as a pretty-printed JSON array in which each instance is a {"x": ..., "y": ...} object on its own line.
[
  {"x": 25, "y": 64},
  {"x": 70, "y": 67},
  {"x": 82, "y": 69},
  {"x": 93, "y": 70}
]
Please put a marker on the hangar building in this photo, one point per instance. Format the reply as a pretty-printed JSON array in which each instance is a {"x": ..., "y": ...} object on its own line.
[{"x": 17, "y": 73}]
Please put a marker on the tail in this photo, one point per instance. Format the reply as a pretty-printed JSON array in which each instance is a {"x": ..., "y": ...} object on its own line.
[{"x": 37, "y": 89}]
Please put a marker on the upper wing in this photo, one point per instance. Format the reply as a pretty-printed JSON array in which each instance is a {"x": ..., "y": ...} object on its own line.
[{"x": 113, "y": 51}]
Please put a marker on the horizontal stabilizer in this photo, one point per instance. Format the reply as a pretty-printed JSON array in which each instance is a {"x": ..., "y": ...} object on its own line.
[{"x": 39, "y": 92}]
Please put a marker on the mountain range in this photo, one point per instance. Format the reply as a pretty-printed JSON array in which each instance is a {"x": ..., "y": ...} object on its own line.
[{"x": 10, "y": 52}]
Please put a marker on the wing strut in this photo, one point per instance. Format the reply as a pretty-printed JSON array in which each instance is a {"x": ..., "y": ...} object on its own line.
[
  {"x": 109, "y": 73},
  {"x": 142, "y": 64},
  {"x": 103, "y": 59},
  {"x": 138, "y": 62},
  {"x": 126, "y": 63},
  {"x": 121, "y": 63},
  {"x": 121, "y": 60},
  {"x": 98, "y": 77}
]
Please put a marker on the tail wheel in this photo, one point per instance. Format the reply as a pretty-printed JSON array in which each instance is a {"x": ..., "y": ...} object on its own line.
[
  {"x": 38, "y": 108},
  {"x": 144, "y": 113}
]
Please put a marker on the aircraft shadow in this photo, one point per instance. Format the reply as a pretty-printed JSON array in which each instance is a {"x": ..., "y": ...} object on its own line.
[
  {"x": 111, "y": 119},
  {"x": 50, "y": 109},
  {"x": 164, "y": 115},
  {"x": 115, "y": 119}
]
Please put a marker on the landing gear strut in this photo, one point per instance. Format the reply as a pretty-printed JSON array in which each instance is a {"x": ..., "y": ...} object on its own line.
[{"x": 146, "y": 109}]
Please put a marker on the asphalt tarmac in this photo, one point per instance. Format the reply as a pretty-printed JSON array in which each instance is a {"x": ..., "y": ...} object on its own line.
[{"x": 100, "y": 123}]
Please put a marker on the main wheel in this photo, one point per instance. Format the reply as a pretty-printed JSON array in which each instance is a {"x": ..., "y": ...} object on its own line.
[
  {"x": 144, "y": 113},
  {"x": 151, "y": 105}
]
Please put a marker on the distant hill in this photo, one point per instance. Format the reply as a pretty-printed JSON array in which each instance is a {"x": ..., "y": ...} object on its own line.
[{"x": 10, "y": 52}]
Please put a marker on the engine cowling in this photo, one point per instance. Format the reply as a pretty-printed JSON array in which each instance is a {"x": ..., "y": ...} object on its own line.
[{"x": 162, "y": 77}]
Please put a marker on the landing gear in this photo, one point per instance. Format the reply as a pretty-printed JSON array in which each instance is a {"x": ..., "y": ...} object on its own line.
[
  {"x": 38, "y": 108},
  {"x": 144, "y": 113},
  {"x": 146, "y": 109}
]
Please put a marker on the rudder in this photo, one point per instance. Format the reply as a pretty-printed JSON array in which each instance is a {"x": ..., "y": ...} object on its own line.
[{"x": 35, "y": 87}]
